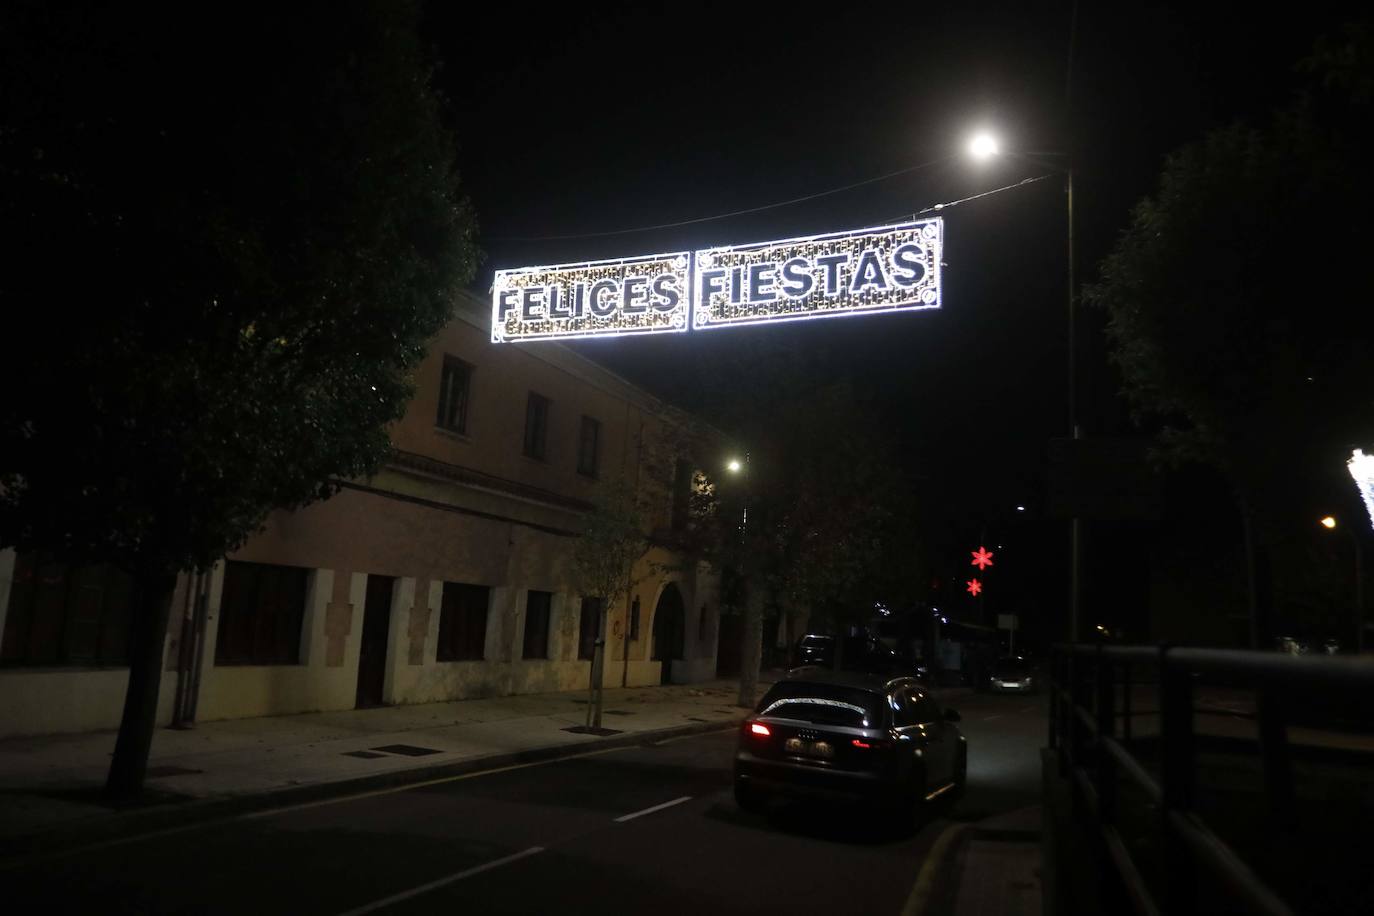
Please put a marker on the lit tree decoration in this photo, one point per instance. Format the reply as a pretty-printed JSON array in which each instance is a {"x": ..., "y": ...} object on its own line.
[
  {"x": 982, "y": 558},
  {"x": 1361, "y": 467},
  {"x": 974, "y": 586}
]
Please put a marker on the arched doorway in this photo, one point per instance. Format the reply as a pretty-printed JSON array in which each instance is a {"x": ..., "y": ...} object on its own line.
[{"x": 670, "y": 621}]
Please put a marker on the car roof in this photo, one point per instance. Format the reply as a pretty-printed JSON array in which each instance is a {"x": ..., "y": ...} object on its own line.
[{"x": 814, "y": 674}]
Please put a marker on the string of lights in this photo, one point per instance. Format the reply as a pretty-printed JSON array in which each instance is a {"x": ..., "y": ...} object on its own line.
[{"x": 719, "y": 216}]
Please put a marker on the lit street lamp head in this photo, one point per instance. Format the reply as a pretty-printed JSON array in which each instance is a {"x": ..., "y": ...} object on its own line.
[
  {"x": 1328, "y": 522},
  {"x": 733, "y": 466},
  {"x": 983, "y": 146}
]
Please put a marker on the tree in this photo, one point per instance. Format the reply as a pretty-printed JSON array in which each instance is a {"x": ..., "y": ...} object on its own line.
[
  {"x": 612, "y": 541},
  {"x": 827, "y": 529},
  {"x": 230, "y": 238},
  {"x": 1238, "y": 303}
]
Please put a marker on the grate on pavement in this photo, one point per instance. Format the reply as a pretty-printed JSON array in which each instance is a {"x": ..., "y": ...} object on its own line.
[{"x": 407, "y": 750}]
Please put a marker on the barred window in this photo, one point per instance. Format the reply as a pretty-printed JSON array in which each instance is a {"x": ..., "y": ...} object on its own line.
[
  {"x": 260, "y": 614},
  {"x": 67, "y": 615},
  {"x": 463, "y": 622},
  {"x": 537, "y": 606}
]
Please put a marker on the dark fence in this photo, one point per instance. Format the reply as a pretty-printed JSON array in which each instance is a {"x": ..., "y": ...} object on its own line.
[{"x": 1113, "y": 776}]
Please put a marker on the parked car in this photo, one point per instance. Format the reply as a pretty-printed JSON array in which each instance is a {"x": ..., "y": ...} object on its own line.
[
  {"x": 848, "y": 736},
  {"x": 864, "y": 653},
  {"x": 1012, "y": 675}
]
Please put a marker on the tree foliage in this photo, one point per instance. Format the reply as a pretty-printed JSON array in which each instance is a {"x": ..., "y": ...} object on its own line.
[
  {"x": 230, "y": 237},
  {"x": 612, "y": 540},
  {"x": 1239, "y": 299}
]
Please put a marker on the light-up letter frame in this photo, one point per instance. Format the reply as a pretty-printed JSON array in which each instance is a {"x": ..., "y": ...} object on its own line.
[
  {"x": 865, "y": 271},
  {"x": 643, "y": 295}
]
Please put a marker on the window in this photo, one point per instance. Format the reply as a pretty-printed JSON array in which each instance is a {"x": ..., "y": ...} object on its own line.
[
  {"x": 588, "y": 627},
  {"x": 823, "y": 704},
  {"x": 682, "y": 494},
  {"x": 260, "y": 614},
  {"x": 911, "y": 707},
  {"x": 589, "y": 447},
  {"x": 463, "y": 623},
  {"x": 67, "y": 615},
  {"x": 634, "y": 619},
  {"x": 536, "y": 425},
  {"x": 537, "y": 624},
  {"x": 453, "y": 395}
]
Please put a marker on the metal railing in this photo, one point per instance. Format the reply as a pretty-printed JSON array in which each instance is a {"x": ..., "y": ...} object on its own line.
[{"x": 1090, "y": 734}]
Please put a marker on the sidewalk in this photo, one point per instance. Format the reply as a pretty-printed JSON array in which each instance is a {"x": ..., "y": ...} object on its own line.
[
  {"x": 50, "y": 785},
  {"x": 991, "y": 867}
]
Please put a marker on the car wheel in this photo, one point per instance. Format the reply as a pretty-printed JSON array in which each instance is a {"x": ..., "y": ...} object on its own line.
[{"x": 748, "y": 798}]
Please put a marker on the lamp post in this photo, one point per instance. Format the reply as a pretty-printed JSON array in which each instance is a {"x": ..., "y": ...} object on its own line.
[
  {"x": 1330, "y": 524},
  {"x": 984, "y": 146}
]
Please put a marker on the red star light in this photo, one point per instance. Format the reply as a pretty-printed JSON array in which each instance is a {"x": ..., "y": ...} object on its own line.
[
  {"x": 974, "y": 586},
  {"x": 982, "y": 558}
]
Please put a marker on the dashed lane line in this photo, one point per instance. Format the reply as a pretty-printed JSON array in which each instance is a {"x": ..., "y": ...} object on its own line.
[
  {"x": 434, "y": 885},
  {"x": 668, "y": 804}
]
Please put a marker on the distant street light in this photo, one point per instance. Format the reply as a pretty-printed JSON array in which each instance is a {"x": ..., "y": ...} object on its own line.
[
  {"x": 983, "y": 147},
  {"x": 1328, "y": 522},
  {"x": 734, "y": 466}
]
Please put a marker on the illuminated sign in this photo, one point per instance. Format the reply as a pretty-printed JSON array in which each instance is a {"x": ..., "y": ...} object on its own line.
[
  {"x": 865, "y": 271},
  {"x": 887, "y": 269},
  {"x": 982, "y": 558},
  {"x": 643, "y": 295}
]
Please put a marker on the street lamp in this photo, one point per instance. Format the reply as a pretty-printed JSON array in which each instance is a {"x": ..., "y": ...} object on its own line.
[
  {"x": 984, "y": 146},
  {"x": 734, "y": 466}
]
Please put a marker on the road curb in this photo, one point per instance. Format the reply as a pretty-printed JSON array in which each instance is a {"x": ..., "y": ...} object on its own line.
[
  {"x": 927, "y": 879},
  {"x": 18, "y": 851}
]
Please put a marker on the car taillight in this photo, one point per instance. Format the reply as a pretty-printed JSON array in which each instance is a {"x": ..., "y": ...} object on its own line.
[
  {"x": 757, "y": 728},
  {"x": 869, "y": 745}
]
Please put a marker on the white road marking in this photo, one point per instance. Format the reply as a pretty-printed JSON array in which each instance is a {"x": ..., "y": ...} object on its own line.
[
  {"x": 425, "y": 888},
  {"x": 990, "y": 718},
  {"x": 629, "y": 817}
]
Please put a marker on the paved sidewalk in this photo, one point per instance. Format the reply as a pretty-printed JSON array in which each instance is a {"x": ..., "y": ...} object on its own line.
[
  {"x": 49, "y": 786},
  {"x": 998, "y": 866}
]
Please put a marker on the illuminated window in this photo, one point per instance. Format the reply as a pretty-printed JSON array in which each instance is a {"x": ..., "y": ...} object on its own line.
[
  {"x": 537, "y": 606},
  {"x": 454, "y": 386},
  {"x": 463, "y": 623},
  {"x": 536, "y": 426},
  {"x": 589, "y": 447}
]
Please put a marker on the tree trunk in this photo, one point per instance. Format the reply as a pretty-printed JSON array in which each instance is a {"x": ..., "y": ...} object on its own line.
[
  {"x": 751, "y": 646},
  {"x": 598, "y": 665},
  {"x": 147, "y": 634}
]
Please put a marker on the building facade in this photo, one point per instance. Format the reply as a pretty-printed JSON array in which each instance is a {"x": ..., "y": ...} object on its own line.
[{"x": 446, "y": 576}]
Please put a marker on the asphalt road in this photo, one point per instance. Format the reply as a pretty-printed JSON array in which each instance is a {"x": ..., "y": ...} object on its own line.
[{"x": 648, "y": 829}]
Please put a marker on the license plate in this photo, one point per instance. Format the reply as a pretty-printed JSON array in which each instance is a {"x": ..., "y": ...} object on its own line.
[{"x": 822, "y": 749}]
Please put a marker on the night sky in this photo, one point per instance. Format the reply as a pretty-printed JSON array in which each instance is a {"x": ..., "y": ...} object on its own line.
[{"x": 588, "y": 119}]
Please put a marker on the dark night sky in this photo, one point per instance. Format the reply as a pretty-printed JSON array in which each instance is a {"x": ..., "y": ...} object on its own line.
[{"x": 592, "y": 118}]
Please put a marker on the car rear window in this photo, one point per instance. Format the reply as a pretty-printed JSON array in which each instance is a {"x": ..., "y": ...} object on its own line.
[
  {"x": 823, "y": 704},
  {"x": 1010, "y": 669}
]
